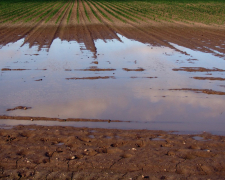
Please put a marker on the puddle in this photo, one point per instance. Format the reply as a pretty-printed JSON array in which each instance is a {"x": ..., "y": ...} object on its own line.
[
  {"x": 107, "y": 137},
  {"x": 159, "y": 138},
  {"x": 59, "y": 144},
  {"x": 129, "y": 81},
  {"x": 5, "y": 127},
  {"x": 198, "y": 138},
  {"x": 91, "y": 136}
]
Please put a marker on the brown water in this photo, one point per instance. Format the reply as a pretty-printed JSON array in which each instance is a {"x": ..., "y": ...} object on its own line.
[{"x": 122, "y": 80}]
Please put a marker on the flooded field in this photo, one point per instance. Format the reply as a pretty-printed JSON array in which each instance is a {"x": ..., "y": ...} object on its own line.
[
  {"x": 112, "y": 89},
  {"x": 134, "y": 76}
]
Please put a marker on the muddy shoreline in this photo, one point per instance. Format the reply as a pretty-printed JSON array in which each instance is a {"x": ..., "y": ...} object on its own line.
[{"x": 37, "y": 152}]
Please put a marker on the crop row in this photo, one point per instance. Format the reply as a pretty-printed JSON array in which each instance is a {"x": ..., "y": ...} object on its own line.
[{"x": 202, "y": 11}]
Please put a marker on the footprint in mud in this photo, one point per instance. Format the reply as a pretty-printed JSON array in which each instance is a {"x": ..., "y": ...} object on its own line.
[
  {"x": 127, "y": 155},
  {"x": 114, "y": 150}
]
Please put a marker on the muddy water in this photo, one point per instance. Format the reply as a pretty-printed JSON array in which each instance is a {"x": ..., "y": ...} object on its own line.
[{"x": 119, "y": 80}]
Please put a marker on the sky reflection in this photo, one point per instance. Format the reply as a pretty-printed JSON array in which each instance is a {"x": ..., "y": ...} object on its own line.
[{"x": 138, "y": 99}]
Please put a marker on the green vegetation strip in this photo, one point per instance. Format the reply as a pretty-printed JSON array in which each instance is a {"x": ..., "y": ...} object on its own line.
[
  {"x": 191, "y": 11},
  {"x": 119, "y": 12},
  {"x": 68, "y": 18},
  {"x": 86, "y": 11},
  {"x": 40, "y": 12},
  {"x": 78, "y": 18},
  {"x": 110, "y": 12},
  {"x": 46, "y": 13},
  {"x": 95, "y": 14},
  {"x": 30, "y": 13},
  {"x": 124, "y": 10},
  {"x": 55, "y": 11},
  {"x": 62, "y": 13},
  {"x": 16, "y": 14},
  {"x": 101, "y": 11}
]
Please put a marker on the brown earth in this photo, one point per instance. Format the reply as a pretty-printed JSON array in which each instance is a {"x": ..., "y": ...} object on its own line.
[
  {"x": 198, "y": 69},
  {"x": 205, "y": 91},
  {"x": 210, "y": 78},
  {"x": 39, "y": 152},
  {"x": 91, "y": 78}
]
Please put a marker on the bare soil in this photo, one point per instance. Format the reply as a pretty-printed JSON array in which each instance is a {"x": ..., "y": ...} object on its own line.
[
  {"x": 210, "y": 78},
  {"x": 205, "y": 91},
  {"x": 198, "y": 69},
  {"x": 38, "y": 152},
  {"x": 91, "y": 78}
]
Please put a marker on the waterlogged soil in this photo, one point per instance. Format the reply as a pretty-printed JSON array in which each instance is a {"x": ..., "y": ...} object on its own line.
[
  {"x": 206, "y": 91},
  {"x": 57, "y": 152}
]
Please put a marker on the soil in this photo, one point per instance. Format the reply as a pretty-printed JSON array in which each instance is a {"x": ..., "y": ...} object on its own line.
[
  {"x": 133, "y": 77},
  {"x": 210, "y": 78},
  {"x": 19, "y": 107},
  {"x": 38, "y": 152},
  {"x": 91, "y": 78},
  {"x": 198, "y": 69},
  {"x": 205, "y": 91},
  {"x": 138, "y": 69}
]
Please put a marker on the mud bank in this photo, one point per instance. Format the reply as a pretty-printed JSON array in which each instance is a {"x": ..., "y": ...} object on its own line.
[{"x": 81, "y": 153}]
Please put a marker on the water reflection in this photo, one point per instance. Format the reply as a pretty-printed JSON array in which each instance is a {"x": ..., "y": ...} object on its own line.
[{"x": 121, "y": 98}]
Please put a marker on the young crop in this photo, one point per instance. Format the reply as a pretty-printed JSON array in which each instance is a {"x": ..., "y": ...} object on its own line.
[
  {"x": 188, "y": 11},
  {"x": 122, "y": 12},
  {"x": 95, "y": 14},
  {"x": 62, "y": 13},
  {"x": 46, "y": 13},
  {"x": 39, "y": 12},
  {"x": 86, "y": 11},
  {"x": 78, "y": 19},
  {"x": 101, "y": 12},
  {"x": 54, "y": 12},
  {"x": 68, "y": 18},
  {"x": 110, "y": 12}
]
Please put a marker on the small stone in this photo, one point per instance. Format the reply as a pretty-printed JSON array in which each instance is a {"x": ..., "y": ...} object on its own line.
[
  {"x": 31, "y": 119},
  {"x": 73, "y": 157},
  {"x": 184, "y": 142},
  {"x": 85, "y": 150},
  {"x": 134, "y": 149}
]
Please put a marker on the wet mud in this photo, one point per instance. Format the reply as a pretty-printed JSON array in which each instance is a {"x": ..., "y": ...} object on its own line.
[
  {"x": 8, "y": 69},
  {"x": 205, "y": 91},
  {"x": 138, "y": 69},
  {"x": 210, "y": 78},
  {"x": 82, "y": 153},
  {"x": 32, "y": 118},
  {"x": 95, "y": 69},
  {"x": 43, "y": 35},
  {"x": 91, "y": 78},
  {"x": 19, "y": 107},
  {"x": 134, "y": 77},
  {"x": 198, "y": 69}
]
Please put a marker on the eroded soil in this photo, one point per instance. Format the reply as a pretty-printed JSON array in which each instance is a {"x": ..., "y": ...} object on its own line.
[{"x": 40, "y": 152}]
